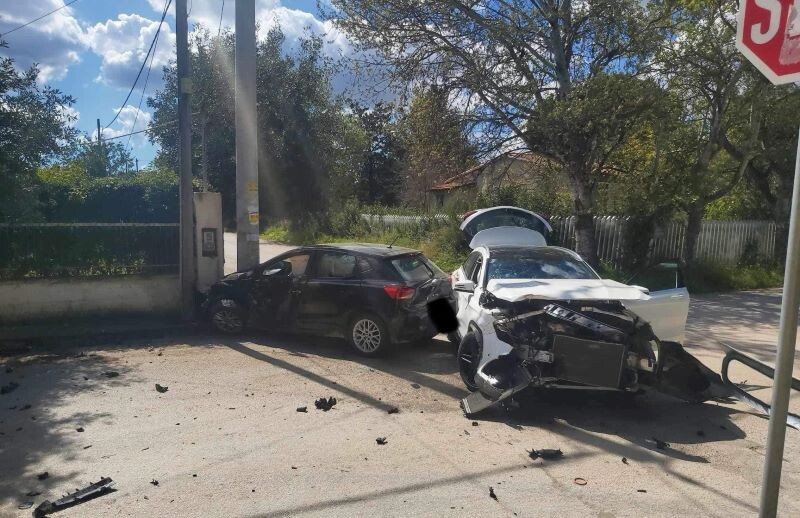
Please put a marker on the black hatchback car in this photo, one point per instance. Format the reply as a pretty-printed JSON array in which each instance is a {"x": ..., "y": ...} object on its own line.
[{"x": 374, "y": 295}]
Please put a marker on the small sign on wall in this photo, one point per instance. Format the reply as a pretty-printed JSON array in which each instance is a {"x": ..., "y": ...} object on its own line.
[{"x": 209, "y": 242}]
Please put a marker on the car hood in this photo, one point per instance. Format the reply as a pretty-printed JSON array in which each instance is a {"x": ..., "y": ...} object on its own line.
[{"x": 514, "y": 290}]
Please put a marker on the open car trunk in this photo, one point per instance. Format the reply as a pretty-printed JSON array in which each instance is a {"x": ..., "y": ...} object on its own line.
[{"x": 588, "y": 344}]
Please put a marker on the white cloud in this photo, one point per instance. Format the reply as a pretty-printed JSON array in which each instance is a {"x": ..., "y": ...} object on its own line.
[
  {"x": 123, "y": 44},
  {"x": 128, "y": 122},
  {"x": 54, "y": 42}
]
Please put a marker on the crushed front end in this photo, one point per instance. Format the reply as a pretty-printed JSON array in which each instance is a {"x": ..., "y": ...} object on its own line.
[{"x": 584, "y": 344}]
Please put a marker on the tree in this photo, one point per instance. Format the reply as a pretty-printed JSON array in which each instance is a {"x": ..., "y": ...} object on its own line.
[
  {"x": 101, "y": 159},
  {"x": 308, "y": 146},
  {"x": 34, "y": 129},
  {"x": 515, "y": 63},
  {"x": 436, "y": 141},
  {"x": 380, "y": 178}
]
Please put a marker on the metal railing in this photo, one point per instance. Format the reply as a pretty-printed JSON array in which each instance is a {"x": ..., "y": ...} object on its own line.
[{"x": 42, "y": 250}]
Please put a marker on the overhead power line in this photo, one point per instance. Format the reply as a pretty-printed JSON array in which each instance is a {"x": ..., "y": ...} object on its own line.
[
  {"x": 141, "y": 69},
  {"x": 45, "y": 15}
]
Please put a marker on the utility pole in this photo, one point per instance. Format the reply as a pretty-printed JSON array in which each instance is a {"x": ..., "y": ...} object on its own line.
[
  {"x": 98, "y": 132},
  {"x": 203, "y": 157},
  {"x": 187, "y": 268},
  {"x": 247, "y": 215},
  {"x": 137, "y": 165}
]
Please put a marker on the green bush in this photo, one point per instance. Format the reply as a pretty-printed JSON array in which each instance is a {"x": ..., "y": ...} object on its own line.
[{"x": 714, "y": 277}]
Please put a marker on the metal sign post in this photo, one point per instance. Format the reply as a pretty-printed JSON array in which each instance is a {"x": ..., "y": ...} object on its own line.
[{"x": 768, "y": 34}]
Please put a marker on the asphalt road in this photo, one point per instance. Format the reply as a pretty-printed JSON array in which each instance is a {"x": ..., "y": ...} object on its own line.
[
  {"x": 226, "y": 439},
  {"x": 265, "y": 250}
]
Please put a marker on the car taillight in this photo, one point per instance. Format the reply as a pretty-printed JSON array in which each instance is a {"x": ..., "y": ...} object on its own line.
[{"x": 398, "y": 292}]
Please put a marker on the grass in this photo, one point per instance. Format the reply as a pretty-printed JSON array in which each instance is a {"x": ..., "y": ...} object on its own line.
[{"x": 444, "y": 246}]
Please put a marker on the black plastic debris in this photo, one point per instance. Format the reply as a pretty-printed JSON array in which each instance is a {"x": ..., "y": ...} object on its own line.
[
  {"x": 99, "y": 488},
  {"x": 161, "y": 389},
  {"x": 43, "y": 476},
  {"x": 625, "y": 460},
  {"x": 154, "y": 482},
  {"x": 325, "y": 404},
  {"x": 661, "y": 445},
  {"x": 393, "y": 410},
  {"x": 11, "y": 387},
  {"x": 381, "y": 441},
  {"x": 302, "y": 409},
  {"x": 32, "y": 493},
  {"x": 474, "y": 423},
  {"x": 111, "y": 374},
  {"x": 415, "y": 385},
  {"x": 79, "y": 429},
  {"x": 491, "y": 493},
  {"x": 545, "y": 454},
  {"x": 641, "y": 491}
]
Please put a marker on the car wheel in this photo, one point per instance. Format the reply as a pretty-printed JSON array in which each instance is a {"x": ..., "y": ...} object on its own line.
[
  {"x": 368, "y": 335},
  {"x": 227, "y": 316},
  {"x": 455, "y": 341},
  {"x": 469, "y": 357}
]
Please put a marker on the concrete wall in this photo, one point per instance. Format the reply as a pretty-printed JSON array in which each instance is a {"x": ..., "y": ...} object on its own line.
[{"x": 37, "y": 299}]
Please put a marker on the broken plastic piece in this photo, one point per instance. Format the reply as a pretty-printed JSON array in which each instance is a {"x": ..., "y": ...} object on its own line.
[
  {"x": 580, "y": 481},
  {"x": 393, "y": 410},
  {"x": 546, "y": 454},
  {"x": 491, "y": 493},
  {"x": 302, "y": 409},
  {"x": 325, "y": 404},
  {"x": 381, "y": 440},
  {"x": 99, "y": 488},
  {"x": 43, "y": 476},
  {"x": 161, "y": 389}
]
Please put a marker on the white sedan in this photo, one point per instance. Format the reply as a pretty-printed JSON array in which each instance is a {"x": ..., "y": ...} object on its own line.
[{"x": 533, "y": 314}]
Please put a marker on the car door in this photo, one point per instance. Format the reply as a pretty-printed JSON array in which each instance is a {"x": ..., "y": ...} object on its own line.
[
  {"x": 469, "y": 307},
  {"x": 276, "y": 289},
  {"x": 668, "y": 306},
  {"x": 331, "y": 289}
]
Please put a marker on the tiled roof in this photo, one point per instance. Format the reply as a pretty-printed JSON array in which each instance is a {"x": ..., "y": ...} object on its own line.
[{"x": 470, "y": 176}]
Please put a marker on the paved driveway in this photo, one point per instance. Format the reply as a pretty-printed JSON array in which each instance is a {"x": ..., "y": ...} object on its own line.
[
  {"x": 226, "y": 439},
  {"x": 266, "y": 250}
]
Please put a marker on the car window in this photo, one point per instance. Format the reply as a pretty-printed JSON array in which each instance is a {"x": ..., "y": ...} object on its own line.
[
  {"x": 664, "y": 276},
  {"x": 412, "y": 268},
  {"x": 369, "y": 268},
  {"x": 336, "y": 265},
  {"x": 476, "y": 270},
  {"x": 469, "y": 264},
  {"x": 294, "y": 266},
  {"x": 539, "y": 264}
]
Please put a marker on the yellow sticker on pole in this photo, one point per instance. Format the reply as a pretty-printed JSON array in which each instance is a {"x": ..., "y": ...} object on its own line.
[
  {"x": 252, "y": 186},
  {"x": 254, "y": 218}
]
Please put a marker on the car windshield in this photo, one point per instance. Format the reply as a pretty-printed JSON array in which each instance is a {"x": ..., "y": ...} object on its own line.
[
  {"x": 413, "y": 268},
  {"x": 541, "y": 263}
]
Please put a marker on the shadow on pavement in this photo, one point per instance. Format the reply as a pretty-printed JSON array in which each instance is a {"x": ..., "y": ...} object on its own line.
[{"x": 32, "y": 426}]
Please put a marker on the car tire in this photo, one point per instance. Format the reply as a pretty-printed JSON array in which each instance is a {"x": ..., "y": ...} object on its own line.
[
  {"x": 455, "y": 340},
  {"x": 227, "y": 316},
  {"x": 469, "y": 355},
  {"x": 368, "y": 335}
]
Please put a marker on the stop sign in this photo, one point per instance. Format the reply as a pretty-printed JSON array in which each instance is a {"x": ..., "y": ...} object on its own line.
[{"x": 768, "y": 34}]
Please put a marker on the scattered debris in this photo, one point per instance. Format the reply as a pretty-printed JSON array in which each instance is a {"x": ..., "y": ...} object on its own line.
[
  {"x": 79, "y": 429},
  {"x": 294, "y": 467},
  {"x": 111, "y": 374},
  {"x": 641, "y": 491},
  {"x": 491, "y": 493},
  {"x": 546, "y": 454},
  {"x": 154, "y": 482},
  {"x": 474, "y": 423},
  {"x": 661, "y": 445},
  {"x": 25, "y": 505},
  {"x": 86, "y": 378},
  {"x": 32, "y": 493},
  {"x": 11, "y": 387},
  {"x": 43, "y": 476},
  {"x": 194, "y": 475},
  {"x": 415, "y": 385},
  {"x": 99, "y": 488},
  {"x": 325, "y": 404},
  {"x": 381, "y": 440},
  {"x": 625, "y": 460},
  {"x": 87, "y": 447},
  {"x": 302, "y": 409},
  {"x": 580, "y": 481},
  {"x": 466, "y": 432},
  {"x": 161, "y": 389},
  {"x": 393, "y": 410}
]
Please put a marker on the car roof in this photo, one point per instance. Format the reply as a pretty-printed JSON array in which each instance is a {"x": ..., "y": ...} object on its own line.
[{"x": 372, "y": 249}]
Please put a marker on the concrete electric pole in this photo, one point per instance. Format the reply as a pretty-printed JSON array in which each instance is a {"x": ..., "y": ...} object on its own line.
[
  {"x": 187, "y": 268},
  {"x": 247, "y": 215}
]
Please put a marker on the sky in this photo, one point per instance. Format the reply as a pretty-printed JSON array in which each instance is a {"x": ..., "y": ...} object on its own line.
[{"x": 93, "y": 50}]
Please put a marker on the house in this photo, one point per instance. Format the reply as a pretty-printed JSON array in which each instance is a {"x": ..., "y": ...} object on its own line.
[{"x": 525, "y": 169}]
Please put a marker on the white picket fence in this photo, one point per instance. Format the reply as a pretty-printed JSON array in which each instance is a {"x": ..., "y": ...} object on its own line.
[{"x": 719, "y": 241}]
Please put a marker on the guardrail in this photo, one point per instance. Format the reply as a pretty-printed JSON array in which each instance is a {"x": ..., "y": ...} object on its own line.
[{"x": 43, "y": 250}]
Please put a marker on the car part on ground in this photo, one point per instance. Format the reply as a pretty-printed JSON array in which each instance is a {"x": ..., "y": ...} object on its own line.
[{"x": 99, "y": 488}]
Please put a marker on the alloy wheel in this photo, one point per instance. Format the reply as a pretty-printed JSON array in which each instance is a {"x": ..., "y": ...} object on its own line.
[
  {"x": 367, "y": 335},
  {"x": 228, "y": 320}
]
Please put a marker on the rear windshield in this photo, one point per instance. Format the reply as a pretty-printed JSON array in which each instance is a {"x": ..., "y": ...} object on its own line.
[
  {"x": 414, "y": 268},
  {"x": 541, "y": 264}
]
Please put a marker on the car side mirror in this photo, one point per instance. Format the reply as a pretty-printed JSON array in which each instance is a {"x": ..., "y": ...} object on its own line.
[
  {"x": 641, "y": 288},
  {"x": 464, "y": 286}
]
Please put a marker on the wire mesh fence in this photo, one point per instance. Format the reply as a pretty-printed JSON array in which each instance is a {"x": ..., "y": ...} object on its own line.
[{"x": 43, "y": 250}]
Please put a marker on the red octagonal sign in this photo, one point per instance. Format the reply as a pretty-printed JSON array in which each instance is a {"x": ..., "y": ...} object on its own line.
[{"x": 768, "y": 35}]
